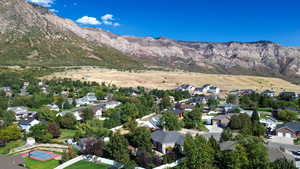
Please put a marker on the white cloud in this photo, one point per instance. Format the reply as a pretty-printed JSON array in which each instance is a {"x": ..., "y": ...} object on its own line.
[
  {"x": 108, "y": 19},
  {"x": 116, "y": 24},
  {"x": 44, "y": 3},
  {"x": 86, "y": 20}
]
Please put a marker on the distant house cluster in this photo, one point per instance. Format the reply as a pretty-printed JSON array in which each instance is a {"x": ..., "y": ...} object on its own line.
[{"x": 204, "y": 90}]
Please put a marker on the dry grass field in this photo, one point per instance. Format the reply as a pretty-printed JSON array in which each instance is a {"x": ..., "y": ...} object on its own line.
[{"x": 170, "y": 80}]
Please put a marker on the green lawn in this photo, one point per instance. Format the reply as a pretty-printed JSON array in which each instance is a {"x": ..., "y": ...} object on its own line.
[
  {"x": 11, "y": 145},
  {"x": 88, "y": 165},
  {"x": 35, "y": 164},
  {"x": 65, "y": 133}
]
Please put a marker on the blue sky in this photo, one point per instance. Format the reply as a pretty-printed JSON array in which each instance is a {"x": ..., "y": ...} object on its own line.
[{"x": 189, "y": 20}]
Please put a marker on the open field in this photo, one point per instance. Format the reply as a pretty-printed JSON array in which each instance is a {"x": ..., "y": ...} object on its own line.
[{"x": 171, "y": 80}]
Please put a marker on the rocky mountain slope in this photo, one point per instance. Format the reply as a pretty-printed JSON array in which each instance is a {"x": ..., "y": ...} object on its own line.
[{"x": 32, "y": 35}]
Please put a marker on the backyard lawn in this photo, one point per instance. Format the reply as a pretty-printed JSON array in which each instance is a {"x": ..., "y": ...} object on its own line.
[
  {"x": 88, "y": 165},
  {"x": 35, "y": 164},
  {"x": 65, "y": 133}
]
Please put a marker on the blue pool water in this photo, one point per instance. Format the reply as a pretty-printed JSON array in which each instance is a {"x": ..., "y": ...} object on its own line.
[{"x": 41, "y": 155}]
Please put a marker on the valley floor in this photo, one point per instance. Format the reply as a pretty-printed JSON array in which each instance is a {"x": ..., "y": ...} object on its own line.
[{"x": 171, "y": 80}]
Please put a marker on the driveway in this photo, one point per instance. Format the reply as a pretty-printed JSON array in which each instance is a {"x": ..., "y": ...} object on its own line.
[{"x": 281, "y": 140}]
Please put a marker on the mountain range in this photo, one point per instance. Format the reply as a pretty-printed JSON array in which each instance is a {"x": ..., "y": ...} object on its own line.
[{"x": 31, "y": 35}]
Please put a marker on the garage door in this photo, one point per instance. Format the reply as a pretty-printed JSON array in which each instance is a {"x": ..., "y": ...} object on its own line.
[
  {"x": 280, "y": 134},
  {"x": 288, "y": 135}
]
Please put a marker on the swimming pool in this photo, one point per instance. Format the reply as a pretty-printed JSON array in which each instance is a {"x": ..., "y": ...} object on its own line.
[{"x": 41, "y": 155}]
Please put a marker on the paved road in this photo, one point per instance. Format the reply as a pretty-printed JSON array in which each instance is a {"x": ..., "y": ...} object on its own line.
[{"x": 289, "y": 147}]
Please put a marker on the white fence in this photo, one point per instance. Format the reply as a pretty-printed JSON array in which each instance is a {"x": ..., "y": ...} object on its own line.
[
  {"x": 70, "y": 162},
  {"x": 109, "y": 162},
  {"x": 48, "y": 147},
  {"x": 95, "y": 159},
  {"x": 170, "y": 165}
]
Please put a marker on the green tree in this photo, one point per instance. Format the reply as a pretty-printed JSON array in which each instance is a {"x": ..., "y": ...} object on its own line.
[
  {"x": 141, "y": 138},
  {"x": 165, "y": 102},
  {"x": 212, "y": 103},
  {"x": 54, "y": 130},
  {"x": 10, "y": 133},
  {"x": 232, "y": 99},
  {"x": 192, "y": 120},
  {"x": 256, "y": 152},
  {"x": 255, "y": 116},
  {"x": 234, "y": 159},
  {"x": 226, "y": 135},
  {"x": 287, "y": 115},
  {"x": 40, "y": 133},
  {"x": 198, "y": 153},
  {"x": 87, "y": 114},
  {"x": 68, "y": 121},
  {"x": 170, "y": 122},
  {"x": 117, "y": 148},
  {"x": 283, "y": 164},
  {"x": 45, "y": 114},
  {"x": 7, "y": 118},
  {"x": 258, "y": 129}
]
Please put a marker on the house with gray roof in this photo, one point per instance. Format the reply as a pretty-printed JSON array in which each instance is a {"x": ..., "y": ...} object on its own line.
[
  {"x": 289, "y": 130},
  {"x": 26, "y": 124},
  {"x": 21, "y": 112},
  {"x": 12, "y": 162},
  {"x": 162, "y": 140}
]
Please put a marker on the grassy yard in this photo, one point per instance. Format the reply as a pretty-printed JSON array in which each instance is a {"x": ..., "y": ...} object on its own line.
[
  {"x": 11, "y": 145},
  {"x": 65, "y": 133},
  {"x": 88, "y": 165},
  {"x": 35, "y": 164}
]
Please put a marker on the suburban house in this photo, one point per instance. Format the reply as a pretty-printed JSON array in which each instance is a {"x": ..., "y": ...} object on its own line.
[
  {"x": 186, "y": 87},
  {"x": 26, "y": 124},
  {"x": 111, "y": 105},
  {"x": 53, "y": 107},
  {"x": 76, "y": 113},
  {"x": 98, "y": 109},
  {"x": 247, "y": 92},
  {"x": 213, "y": 90},
  {"x": 235, "y": 92},
  {"x": 7, "y": 91},
  {"x": 88, "y": 99},
  {"x": 269, "y": 93},
  {"x": 199, "y": 99},
  {"x": 228, "y": 108},
  {"x": 269, "y": 122},
  {"x": 82, "y": 144},
  {"x": 198, "y": 91},
  {"x": 178, "y": 112},
  {"x": 222, "y": 120},
  {"x": 21, "y": 112},
  {"x": 289, "y": 130},
  {"x": 163, "y": 140}
]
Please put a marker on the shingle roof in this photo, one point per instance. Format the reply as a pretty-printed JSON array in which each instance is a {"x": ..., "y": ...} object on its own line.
[
  {"x": 177, "y": 111},
  {"x": 26, "y": 121},
  {"x": 168, "y": 137},
  {"x": 11, "y": 162},
  {"x": 294, "y": 126}
]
